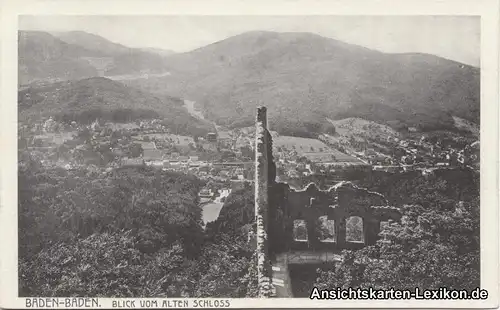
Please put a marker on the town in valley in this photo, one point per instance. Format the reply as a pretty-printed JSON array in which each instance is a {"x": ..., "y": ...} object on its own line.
[{"x": 138, "y": 159}]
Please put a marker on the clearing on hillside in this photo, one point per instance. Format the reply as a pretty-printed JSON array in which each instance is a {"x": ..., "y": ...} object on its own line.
[
  {"x": 314, "y": 150},
  {"x": 464, "y": 124},
  {"x": 360, "y": 127},
  {"x": 332, "y": 156},
  {"x": 300, "y": 144}
]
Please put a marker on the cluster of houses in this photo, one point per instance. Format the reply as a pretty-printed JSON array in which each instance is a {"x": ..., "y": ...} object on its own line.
[
  {"x": 426, "y": 155},
  {"x": 416, "y": 154},
  {"x": 157, "y": 158},
  {"x": 203, "y": 169}
]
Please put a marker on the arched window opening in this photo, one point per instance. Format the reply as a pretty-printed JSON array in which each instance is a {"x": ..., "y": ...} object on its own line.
[
  {"x": 326, "y": 229},
  {"x": 354, "y": 229},
  {"x": 300, "y": 230}
]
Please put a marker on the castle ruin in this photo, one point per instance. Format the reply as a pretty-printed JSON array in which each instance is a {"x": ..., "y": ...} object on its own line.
[{"x": 306, "y": 226}]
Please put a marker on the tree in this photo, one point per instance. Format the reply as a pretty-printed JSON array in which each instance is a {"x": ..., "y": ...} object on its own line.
[
  {"x": 247, "y": 152},
  {"x": 135, "y": 150},
  {"x": 85, "y": 233},
  {"x": 84, "y": 135},
  {"x": 227, "y": 269},
  {"x": 429, "y": 249}
]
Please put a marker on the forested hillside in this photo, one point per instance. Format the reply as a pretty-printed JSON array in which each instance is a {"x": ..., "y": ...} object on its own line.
[
  {"x": 86, "y": 100},
  {"x": 74, "y": 55},
  {"x": 44, "y": 57},
  {"x": 304, "y": 79},
  {"x": 430, "y": 249},
  {"x": 127, "y": 233},
  {"x": 437, "y": 243}
]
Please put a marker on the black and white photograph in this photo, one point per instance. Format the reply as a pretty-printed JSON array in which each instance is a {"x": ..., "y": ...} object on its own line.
[{"x": 249, "y": 156}]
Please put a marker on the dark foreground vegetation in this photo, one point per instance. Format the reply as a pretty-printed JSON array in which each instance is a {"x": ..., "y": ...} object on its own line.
[
  {"x": 429, "y": 249},
  {"x": 436, "y": 244},
  {"x": 125, "y": 233},
  {"x": 138, "y": 233}
]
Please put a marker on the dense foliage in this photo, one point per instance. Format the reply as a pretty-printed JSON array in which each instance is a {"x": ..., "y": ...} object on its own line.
[
  {"x": 304, "y": 79},
  {"x": 436, "y": 244},
  {"x": 236, "y": 215},
  {"x": 429, "y": 249},
  {"x": 440, "y": 190},
  {"x": 86, "y": 100},
  {"x": 133, "y": 232}
]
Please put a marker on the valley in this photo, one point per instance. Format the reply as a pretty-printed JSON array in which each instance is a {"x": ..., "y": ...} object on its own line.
[
  {"x": 304, "y": 150},
  {"x": 144, "y": 159}
]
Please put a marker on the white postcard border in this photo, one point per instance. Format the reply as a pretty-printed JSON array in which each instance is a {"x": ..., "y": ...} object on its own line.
[{"x": 487, "y": 9}]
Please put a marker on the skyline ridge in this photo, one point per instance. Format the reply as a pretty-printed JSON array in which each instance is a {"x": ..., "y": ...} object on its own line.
[
  {"x": 452, "y": 37},
  {"x": 174, "y": 52}
]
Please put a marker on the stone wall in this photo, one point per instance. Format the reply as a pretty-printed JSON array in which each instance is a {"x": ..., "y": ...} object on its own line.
[
  {"x": 337, "y": 204},
  {"x": 277, "y": 206},
  {"x": 263, "y": 178}
]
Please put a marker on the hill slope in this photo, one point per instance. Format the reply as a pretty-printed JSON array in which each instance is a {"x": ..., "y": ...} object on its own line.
[
  {"x": 44, "y": 57},
  {"x": 91, "y": 42},
  {"x": 88, "y": 99},
  {"x": 304, "y": 79},
  {"x": 159, "y": 51},
  {"x": 77, "y": 54}
]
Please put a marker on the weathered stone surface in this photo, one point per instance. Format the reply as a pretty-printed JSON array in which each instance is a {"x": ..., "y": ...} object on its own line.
[
  {"x": 262, "y": 178},
  {"x": 338, "y": 203},
  {"x": 277, "y": 206}
]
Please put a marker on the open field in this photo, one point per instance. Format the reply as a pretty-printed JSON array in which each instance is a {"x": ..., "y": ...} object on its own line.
[
  {"x": 331, "y": 156},
  {"x": 463, "y": 124},
  {"x": 313, "y": 149},
  {"x": 300, "y": 144},
  {"x": 359, "y": 130}
]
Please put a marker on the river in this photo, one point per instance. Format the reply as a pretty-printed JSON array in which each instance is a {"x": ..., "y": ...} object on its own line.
[{"x": 211, "y": 209}]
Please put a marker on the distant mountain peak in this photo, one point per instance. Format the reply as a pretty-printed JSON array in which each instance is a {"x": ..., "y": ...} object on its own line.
[
  {"x": 305, "y": 78},
  {"x": 91, "y": 41},
  {"x": 78, "y": 54}
]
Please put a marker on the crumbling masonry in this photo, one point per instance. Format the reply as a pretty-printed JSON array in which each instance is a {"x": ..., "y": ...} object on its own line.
[
  {"x": 278, "y": 207},
  {"x": 263, "y": 158}
]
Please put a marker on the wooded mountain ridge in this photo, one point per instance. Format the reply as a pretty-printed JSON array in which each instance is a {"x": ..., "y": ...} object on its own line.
[
  {"x": 88, "y": 99},
  {"x": 304, "y": 78},
  {"x": 75, "y": 55}
]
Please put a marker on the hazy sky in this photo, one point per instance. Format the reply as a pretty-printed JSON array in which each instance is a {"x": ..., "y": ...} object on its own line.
[{"x": 452, "y": 37}]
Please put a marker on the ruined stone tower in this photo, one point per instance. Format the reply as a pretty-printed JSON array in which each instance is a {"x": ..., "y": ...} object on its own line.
[
  {"x": 263, "y": 154},
  {"x": 278, "y": 208}
]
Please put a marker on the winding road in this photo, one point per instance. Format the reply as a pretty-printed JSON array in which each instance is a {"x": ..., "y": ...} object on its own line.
[{"x": 189, "y": 105}]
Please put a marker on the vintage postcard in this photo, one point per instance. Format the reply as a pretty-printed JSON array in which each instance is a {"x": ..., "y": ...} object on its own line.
[{"x": 268, "y": 154}]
